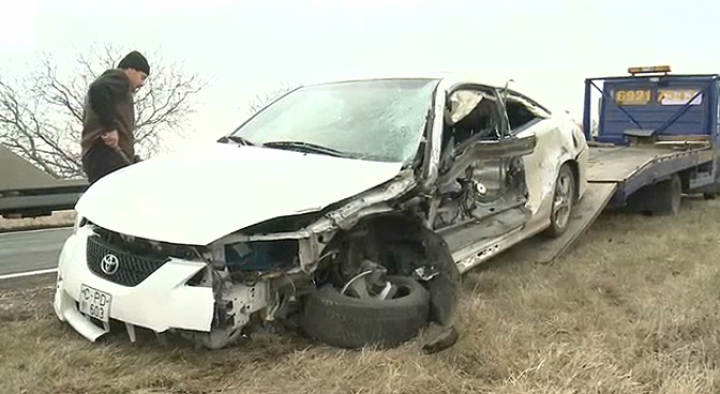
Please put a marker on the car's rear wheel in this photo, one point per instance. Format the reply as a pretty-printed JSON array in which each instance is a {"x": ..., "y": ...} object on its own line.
[
  {"x": 361, "y": 314},
  {"x": 563, "y": 202}
]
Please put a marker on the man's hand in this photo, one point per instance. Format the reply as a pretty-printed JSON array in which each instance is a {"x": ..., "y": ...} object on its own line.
[{"x": 111, "y": 138}]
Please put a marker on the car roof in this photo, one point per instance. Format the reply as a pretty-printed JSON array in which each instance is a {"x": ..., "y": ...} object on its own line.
[{"x": 447, "y": 78}]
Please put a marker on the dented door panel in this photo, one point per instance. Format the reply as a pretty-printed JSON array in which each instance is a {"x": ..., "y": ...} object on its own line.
[
  {"x": 543, "y": 165},
  {"x": 483, "y": 188}
]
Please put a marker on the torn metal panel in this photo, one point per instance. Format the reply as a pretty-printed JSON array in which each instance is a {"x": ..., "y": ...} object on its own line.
[
  {"x": 490, "y": 149},
  {"x": 370, "y": 203},
  {"x": 555, "y": 146},
  {"x": 309, "y": 252},
  {"x": 345, "y": 217},
  {"x": 433, "y": 139},
  {"x": 246, "y": 300}
]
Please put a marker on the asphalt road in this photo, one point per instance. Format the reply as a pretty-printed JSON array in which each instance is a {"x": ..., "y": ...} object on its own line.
[{"x": 33, "y": 250}]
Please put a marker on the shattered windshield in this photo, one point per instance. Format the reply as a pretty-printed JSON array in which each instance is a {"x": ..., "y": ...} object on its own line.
[{"x": 379, "y": 120}]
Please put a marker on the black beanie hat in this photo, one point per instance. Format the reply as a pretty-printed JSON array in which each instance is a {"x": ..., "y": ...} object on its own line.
[{"x": 135, "y": 60}]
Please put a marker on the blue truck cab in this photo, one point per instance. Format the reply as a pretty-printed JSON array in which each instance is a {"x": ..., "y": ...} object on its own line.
[
  {"x": 676, "y": 106},
  {"x": 655, "y": 134}
]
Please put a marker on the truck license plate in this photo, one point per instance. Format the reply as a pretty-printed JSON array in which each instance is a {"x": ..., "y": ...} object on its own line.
[{"x": 95, "y": 303}]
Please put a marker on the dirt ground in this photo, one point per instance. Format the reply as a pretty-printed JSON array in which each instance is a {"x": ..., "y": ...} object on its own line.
[
  {"x": 633, "y": 308},
  {"x": 57, "y": 219}
]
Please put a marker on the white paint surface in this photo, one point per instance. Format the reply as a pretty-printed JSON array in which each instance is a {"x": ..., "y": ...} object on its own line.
[
  {"x": 554, "y": 147},
  {"x": 195, "y": 197},
  {"x": 162, "y": 301}
]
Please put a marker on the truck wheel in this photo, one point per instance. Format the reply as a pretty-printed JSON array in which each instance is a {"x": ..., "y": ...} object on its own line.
[
  {"x": 563, "y": 202},
  {"x": 666, "y": 197},
  {"x": 348, "y": 321}
]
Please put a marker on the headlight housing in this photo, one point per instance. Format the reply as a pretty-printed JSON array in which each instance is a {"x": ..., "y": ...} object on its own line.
[{"x": 261, "y": 255}]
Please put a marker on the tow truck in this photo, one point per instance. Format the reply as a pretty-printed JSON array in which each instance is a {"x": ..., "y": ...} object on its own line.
[{"x": 653, "y": 137}]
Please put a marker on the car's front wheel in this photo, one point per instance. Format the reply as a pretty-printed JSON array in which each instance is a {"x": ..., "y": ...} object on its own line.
[
  {"x": 358, "y": 316},
  {"x": 563, "y": 202}
]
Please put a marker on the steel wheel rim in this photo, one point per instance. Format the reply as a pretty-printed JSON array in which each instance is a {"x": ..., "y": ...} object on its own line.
[
  {"x": 562, "y": 204},
  {"x": 359, "y": 287}
]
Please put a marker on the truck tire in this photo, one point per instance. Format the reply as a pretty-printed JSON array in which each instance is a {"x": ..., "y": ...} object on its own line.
[
  {"x": 667, "y": 197},
  {"x": 563, "y": 202},
  {"x": 660, "y": 199},
  {"x": 348, "y": 322}
]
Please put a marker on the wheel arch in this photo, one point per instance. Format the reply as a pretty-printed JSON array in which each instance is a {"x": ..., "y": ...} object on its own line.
[
  {"x": 575, "y": 168},
  {"x": 404, "y": 245}
]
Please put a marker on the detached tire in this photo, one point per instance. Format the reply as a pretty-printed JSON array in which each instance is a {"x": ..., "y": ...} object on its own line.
[{"x": 349, "y": 322}]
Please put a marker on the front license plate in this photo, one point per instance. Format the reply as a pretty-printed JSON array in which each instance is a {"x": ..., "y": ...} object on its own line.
[{"x": 95, "y": 303}]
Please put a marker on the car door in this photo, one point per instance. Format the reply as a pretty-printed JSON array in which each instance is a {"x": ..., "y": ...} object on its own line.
[
  {"x": 527, "y": 118},
  {"x": 482, "y": 189}
]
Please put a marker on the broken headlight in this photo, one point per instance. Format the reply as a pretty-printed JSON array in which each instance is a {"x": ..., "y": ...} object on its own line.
[{"x": 261, "y": 255}]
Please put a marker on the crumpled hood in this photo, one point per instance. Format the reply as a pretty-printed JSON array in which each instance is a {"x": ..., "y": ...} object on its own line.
[{"x": 198, "y": 196}]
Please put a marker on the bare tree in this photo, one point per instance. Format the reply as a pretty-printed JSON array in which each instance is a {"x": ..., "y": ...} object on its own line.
[
  {"x": 41, "y": 114},
  {"x": 264, "y": 98}
]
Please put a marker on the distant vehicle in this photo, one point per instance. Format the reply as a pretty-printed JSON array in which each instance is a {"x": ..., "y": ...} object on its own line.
[{"x": 335, "y": 204}]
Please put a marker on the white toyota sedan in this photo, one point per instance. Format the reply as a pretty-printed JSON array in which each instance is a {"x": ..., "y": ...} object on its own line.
[{"x": 345, "y": 210}]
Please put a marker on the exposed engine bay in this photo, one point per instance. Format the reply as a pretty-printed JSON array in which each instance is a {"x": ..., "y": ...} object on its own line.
[{"x": 256, "y": 288}]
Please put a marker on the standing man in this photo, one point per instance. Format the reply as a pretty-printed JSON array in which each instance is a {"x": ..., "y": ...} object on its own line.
[{"x": 109, "y": 120}]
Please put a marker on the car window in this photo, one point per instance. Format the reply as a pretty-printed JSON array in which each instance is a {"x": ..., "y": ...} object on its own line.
[
  {"x": 522, "y": 111},
  {"x": 380, "y": 120},
  {"x": 470, "y": 115}
]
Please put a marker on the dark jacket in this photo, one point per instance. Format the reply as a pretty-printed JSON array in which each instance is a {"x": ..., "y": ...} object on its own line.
[{"x": 109, "y": 106}]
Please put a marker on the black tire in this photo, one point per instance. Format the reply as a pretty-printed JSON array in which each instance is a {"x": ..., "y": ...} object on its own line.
[
  {"x": 668, "y": 196},
  {"x": 660, "y": 199},
  {"x": 557, "y": 226},
  {"x": 348, "y": 322}
]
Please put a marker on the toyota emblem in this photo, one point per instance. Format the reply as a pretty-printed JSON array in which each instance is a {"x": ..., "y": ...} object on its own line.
[{"x": 110, "y": 264}]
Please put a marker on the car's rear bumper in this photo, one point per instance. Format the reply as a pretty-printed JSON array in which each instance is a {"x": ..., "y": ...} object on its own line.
[{"x": 160, "y": 302}]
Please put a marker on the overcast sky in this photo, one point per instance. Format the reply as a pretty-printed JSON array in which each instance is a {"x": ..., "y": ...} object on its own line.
[{"x": 243, "y": 47}]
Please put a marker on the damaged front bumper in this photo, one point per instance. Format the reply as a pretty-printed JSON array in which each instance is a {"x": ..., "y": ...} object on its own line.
[
  {"x": 160, "y": 302},
  {"x": 204, "y": 298}
]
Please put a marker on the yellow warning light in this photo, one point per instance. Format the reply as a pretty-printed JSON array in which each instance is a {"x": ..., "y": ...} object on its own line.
[{"x": 648, "y": 70}]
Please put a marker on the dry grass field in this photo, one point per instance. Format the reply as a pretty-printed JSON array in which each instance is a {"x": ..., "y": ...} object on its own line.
[{"x": 633, "y": 308}]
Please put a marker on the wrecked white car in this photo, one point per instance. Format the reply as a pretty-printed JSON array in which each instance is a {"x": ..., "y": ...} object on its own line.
[{"x": 346, "y": 210}]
